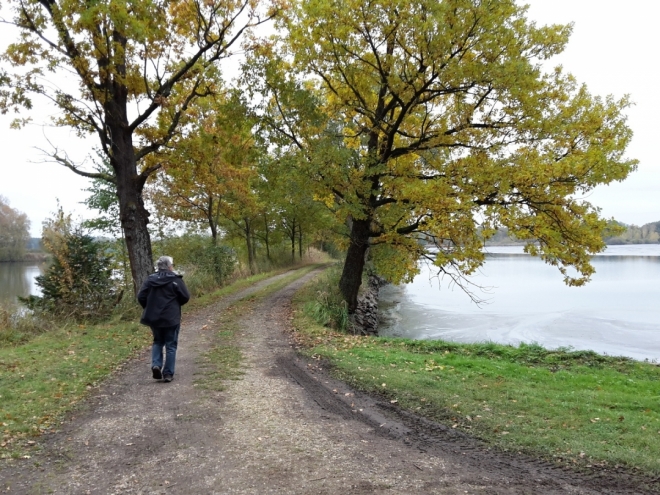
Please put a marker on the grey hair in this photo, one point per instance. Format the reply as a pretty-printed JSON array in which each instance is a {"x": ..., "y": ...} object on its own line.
[{"x": 165, "y": 262}]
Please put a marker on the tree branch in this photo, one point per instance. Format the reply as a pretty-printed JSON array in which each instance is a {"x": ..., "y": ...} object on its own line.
[{"x": 64, "y": 160}]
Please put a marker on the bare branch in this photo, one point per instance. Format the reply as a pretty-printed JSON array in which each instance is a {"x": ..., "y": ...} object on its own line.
[{"x": 64, "y": 160}]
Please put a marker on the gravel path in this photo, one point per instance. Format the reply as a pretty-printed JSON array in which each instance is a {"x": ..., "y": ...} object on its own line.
[{"x": 285, "y": 427}]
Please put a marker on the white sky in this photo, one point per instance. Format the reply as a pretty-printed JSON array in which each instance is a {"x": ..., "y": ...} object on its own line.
[{"x": 612, "y": 50}]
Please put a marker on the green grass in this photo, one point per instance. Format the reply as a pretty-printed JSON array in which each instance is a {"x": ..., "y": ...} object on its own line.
[
  {"x": 327, "y": 306},
  {"x": 224, "y": 360},
  {"x": 44, "y": 378},
  {"x": 576, "y": 408}
]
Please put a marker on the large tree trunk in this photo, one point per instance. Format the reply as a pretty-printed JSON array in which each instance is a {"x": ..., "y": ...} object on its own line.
[
  {"x": 300, "y": 241},
  {"x": 212, "y": 220},
  {"x": 254, "y": 246},
  {"x": 351, "y": 277},
  {"x": 266, "y": 237},
  {"x": 292, "y": 236},
  {"x": 138, "y": 243},
  {"x": 250, "y": 250},
  {"x": 133, "y": 215}
]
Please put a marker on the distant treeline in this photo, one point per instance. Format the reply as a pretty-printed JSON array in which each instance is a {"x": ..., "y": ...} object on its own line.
[
  {"x": 34, "y": 244},
  {"x": 14, "y": 232},
  {"x": 32, "y": 250},
  {"x": 501, "y": 238},
  {"x": 15, "y": 241},
  {"x": 646, "y": 234}
]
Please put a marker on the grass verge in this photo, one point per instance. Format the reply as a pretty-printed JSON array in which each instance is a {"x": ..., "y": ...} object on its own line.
[
  {"x": 45, "y": 375},
  {"x": 574, "y": 408},
  {"x": 44, "y": 378}
]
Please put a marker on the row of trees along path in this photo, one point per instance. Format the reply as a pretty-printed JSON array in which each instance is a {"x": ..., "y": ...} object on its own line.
[{"x": 415, "y": 123}]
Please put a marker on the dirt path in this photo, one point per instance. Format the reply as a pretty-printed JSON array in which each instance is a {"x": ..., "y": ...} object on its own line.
[{"x": 285, "y": 427}]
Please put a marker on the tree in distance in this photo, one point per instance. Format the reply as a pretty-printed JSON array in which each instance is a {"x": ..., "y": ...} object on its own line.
[
  {"x": 429, "y": 123},
  {"x": 14, "y": 232},
  {"x": 207, "y": 168},
  {"x": 287, "y": 193},
  {"x": 648, "y": 233},
  {"x": 128, "y": 71}
]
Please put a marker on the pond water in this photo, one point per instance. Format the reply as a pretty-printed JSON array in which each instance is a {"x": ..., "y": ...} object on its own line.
[
  {"x": 17, "y": 279},
  {"x": 617, "y": 313}
]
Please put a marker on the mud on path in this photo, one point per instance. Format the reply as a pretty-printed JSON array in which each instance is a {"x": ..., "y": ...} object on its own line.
[{"x": 285, "y": 427}]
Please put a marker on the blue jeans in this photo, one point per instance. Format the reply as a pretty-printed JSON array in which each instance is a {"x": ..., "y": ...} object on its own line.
[{"x": 167, "y": 337}]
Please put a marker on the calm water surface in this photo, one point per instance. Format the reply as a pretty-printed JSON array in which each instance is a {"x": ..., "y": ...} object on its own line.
[
  {"x": 17, "y": 279},
  {"x": 617, "y": 313}
]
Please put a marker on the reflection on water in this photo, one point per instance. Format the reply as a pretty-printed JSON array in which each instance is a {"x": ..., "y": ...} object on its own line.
[
  {"x": 17, "y": 279},
  {"x": 617, "y": 313}
]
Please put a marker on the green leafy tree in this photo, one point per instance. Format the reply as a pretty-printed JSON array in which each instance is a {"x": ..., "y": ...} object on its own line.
[
  {"x": 206, "y": 171},
  {"x": 131, "y": 71},
  {"x": 103, "y": 198},
  {"x": 243, "y": 222},
  {"x": 14, "y": 232},
  {"x": 285, "y": 190},
  {"x": 78, "y": 282},
  {"x": 434, "y": 121}
]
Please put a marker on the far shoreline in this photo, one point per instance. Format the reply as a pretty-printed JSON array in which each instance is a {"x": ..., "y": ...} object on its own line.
[{"x": 30, "y": 257}]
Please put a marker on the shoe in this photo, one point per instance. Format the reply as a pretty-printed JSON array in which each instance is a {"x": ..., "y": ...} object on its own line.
[
  {"x": 156, "y": 373},
  {"x": 168, "y": 378}
]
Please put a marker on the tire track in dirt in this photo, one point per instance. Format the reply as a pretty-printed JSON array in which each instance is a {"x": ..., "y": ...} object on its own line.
[{"x": 509, "y": 471}]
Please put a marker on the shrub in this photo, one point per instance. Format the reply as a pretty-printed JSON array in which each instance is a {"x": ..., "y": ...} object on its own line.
[
  {"x": 78, "y": 283},
  {"x": 205, "y": 265},
  {"x": 328, "y": 307},
  {"x": 218, "y": 261}
]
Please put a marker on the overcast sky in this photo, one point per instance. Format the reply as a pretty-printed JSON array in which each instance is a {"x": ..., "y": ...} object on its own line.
[{"x": 612, "y": 51}]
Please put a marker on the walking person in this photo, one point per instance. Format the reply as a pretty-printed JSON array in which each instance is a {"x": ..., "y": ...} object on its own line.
[{"x": 161, "y": 296}]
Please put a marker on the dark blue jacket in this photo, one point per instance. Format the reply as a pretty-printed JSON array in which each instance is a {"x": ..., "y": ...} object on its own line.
[{"x": 161, "y": 296}]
